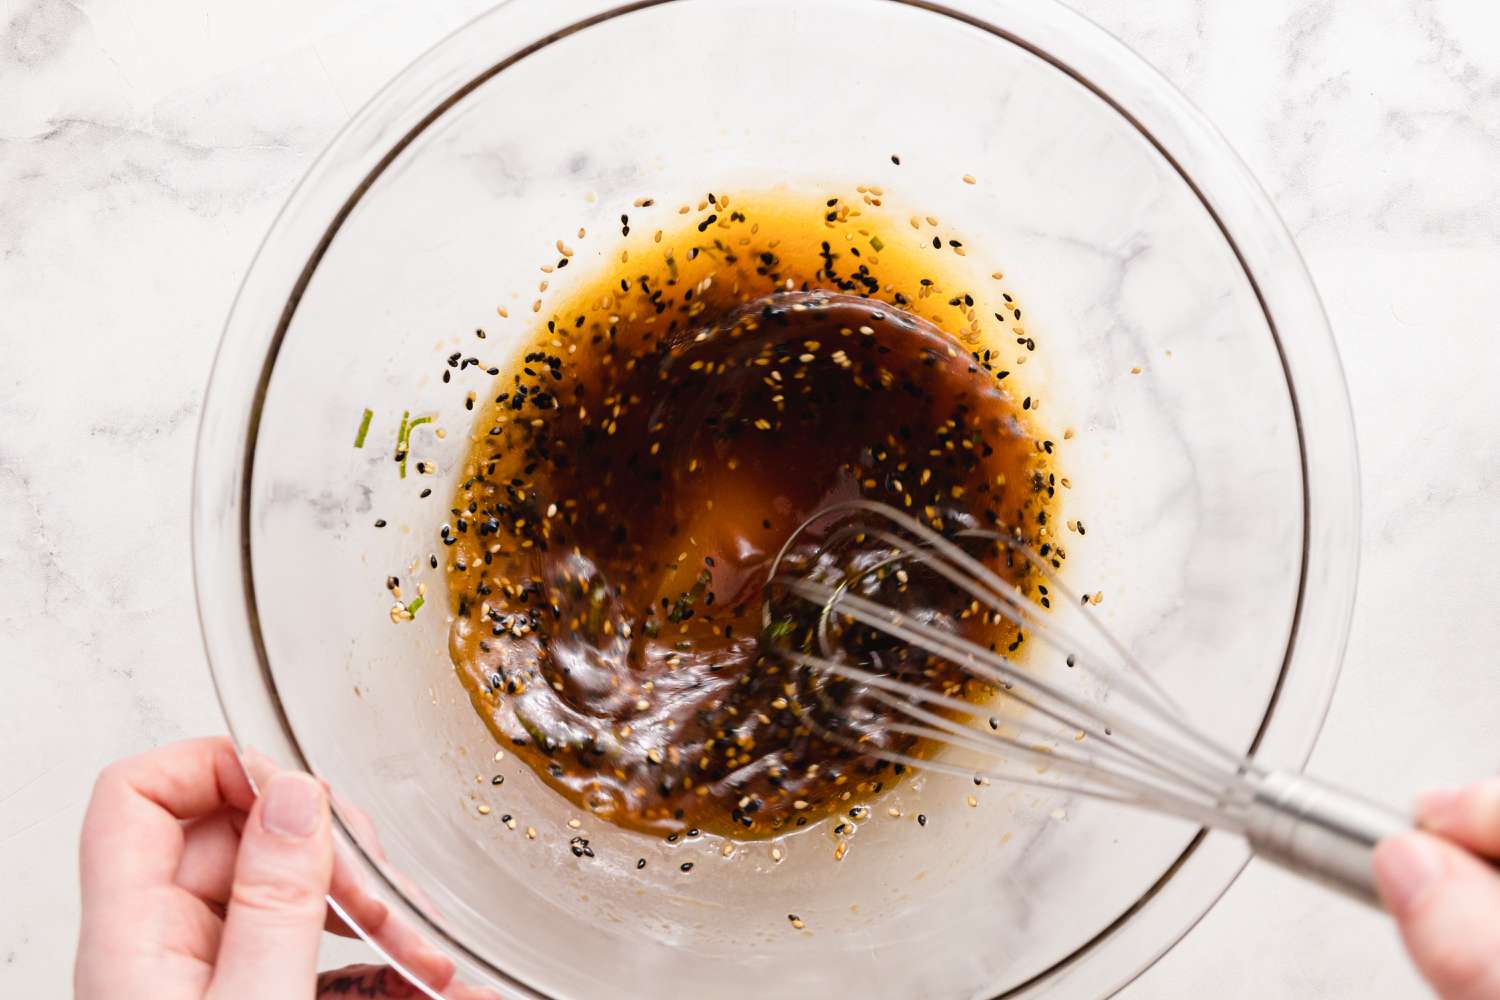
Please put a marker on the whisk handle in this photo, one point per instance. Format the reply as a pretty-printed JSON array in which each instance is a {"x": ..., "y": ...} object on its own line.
[{"x": 1321, "y": 832}]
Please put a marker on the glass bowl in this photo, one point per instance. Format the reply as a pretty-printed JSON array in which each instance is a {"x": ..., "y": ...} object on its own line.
[{"x": 1178, "y": 333}]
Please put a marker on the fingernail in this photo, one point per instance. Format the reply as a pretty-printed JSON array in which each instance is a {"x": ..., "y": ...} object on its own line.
[
  {"x": 1405, "y": 867},
  {"x": 1435, "y": 806},
  {"x": 293, "y": 805}
]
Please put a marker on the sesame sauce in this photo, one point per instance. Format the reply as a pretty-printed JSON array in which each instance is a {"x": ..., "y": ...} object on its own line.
[{"x": 731, "y": 370}]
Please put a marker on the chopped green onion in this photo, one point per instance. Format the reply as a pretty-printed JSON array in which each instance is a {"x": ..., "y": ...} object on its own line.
[
  {"x": 415, "y": 605},
  {"x": 875, "y": 242},
  {"x": 404, "y": 446},
  {"x": 364, "y": 428},
  {"x": 401, "y": 443},
  {"x": 780, "y": 629},
  {"x": 682, "y": 609}
]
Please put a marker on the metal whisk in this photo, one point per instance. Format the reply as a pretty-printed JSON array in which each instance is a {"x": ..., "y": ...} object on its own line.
[{"x": 1122, "y": 739}]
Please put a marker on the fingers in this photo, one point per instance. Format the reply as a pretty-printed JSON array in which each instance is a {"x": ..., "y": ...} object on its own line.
[
  {"x": 1447, "y": 904},
  {"x": 277, "y": 903},
  {"x": 210, "y": 844},
  {"x": 460, "y": 991},
  {"x": 207, "y": 871},
  {"x": 396, "y": 937},
  {"x": 132, "y": 833},
  {"x": 348, "y": 889},
  {"x": 404, "y": 943},
  {"x": 138, "y": 929},
  {"x": 1468, "y": 816}
]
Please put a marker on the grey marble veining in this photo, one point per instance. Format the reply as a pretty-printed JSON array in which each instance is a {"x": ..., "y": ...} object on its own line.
[{"x": 145, "y": 148}]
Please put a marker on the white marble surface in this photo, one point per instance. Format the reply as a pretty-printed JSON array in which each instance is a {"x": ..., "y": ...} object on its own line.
[{"x": 145, "y": 147}]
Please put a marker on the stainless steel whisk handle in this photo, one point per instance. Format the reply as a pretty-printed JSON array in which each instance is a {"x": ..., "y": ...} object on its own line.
[{"x": 1321, "y": 832}]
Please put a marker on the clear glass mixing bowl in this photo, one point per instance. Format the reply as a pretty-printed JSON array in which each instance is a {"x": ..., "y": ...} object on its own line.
[{"x": 1218, "y": 482}]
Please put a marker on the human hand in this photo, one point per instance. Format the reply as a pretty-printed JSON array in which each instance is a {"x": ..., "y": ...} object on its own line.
[
  {"x": 193, "y": 887},
  {"x": 1444, "y": 898}
]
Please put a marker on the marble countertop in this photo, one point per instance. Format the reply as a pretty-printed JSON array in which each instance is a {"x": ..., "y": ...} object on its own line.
[{"x": 145, "y": 148}]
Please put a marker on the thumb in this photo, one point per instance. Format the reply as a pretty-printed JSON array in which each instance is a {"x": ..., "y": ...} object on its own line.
[
  {"x": 276, "y": 907},
  {"x": 1447, "y": 904}
]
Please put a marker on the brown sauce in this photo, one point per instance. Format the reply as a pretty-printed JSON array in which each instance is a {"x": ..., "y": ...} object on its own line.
[{"x": 665, "y": 430}]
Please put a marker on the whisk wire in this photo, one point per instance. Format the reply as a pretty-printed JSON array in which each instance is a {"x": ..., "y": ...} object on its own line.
[
  {"x": 1125, "y": 764},
  {"x": 982, "y": 583},
  {"x": 1136, "y": 682},
  {"x": 1117, "y": 786},
  {"x": 1163, "y": 769},
  {"x": 995, "y": 670},
  {"x": 1155, "y": 759}
]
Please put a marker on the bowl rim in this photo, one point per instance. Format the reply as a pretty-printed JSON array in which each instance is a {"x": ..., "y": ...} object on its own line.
[{"x": 441, "y": 77}]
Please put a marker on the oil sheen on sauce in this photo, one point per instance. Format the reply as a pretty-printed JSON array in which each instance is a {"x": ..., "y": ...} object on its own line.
[{"x": 665, "y": 428}]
